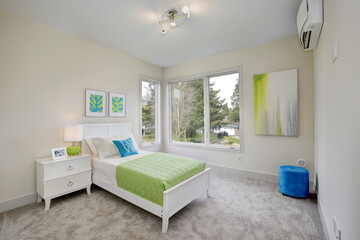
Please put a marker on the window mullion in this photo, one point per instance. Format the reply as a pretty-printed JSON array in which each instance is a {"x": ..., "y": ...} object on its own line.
[
  {"x": 157, "y": 113},
  {"x": 169, "y": 109},
  {"x": 206, "y": 112}
]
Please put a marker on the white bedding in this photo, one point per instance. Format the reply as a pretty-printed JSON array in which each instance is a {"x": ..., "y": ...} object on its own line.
[{"x": 105, "y": 169}]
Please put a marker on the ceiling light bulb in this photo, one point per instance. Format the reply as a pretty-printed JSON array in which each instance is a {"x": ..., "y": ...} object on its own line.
[
  {"x": 185, "y": 9},
  {"x": 172, "y": 24}
]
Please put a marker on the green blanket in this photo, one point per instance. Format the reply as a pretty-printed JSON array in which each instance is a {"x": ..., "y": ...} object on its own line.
[{"x": 149, "y": 176}]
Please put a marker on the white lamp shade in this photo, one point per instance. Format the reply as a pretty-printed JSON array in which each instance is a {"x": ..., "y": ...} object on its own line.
[
  {"x": 185, "y": 9},
  {"x": 73, "y": 133},
  {"x": 173, "y": 24}
]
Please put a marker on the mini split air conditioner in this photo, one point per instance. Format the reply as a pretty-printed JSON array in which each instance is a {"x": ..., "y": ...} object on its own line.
[{"x": 309, "y": 23}]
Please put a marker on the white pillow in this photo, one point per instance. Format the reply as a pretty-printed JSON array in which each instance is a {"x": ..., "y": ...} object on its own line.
[
  {"x": 105, "y": 147},
  {"x": 123, "y": 137},
  {"x": 92, "y": 147}
]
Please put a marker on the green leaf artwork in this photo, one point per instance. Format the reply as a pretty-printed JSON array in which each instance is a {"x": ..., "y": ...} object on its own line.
[
  {"x": 117, "y": 104},
  {"x": 96, "y": 103}
]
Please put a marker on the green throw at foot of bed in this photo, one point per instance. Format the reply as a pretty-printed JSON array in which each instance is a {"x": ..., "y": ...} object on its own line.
[{"x": 149, "y": 176}]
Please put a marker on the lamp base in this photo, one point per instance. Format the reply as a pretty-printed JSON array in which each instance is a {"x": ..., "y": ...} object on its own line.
[{"x": 74, "y": 150}]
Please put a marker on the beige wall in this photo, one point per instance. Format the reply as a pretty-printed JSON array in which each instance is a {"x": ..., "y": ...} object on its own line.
[
  {"x": 43, "y": 74},
  {"x": 337, "y": 118},
  {"x": 262, "y": 154}
]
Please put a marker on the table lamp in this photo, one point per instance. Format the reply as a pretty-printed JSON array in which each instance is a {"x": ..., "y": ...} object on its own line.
[{"x": 73, "y": 133}]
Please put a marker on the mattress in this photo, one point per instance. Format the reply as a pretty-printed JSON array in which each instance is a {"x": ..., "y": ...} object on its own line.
[{"x": 105, "y": 169}]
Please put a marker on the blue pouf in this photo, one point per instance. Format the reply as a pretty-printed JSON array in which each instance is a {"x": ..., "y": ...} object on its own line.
[{"x": 294, "y": 181}]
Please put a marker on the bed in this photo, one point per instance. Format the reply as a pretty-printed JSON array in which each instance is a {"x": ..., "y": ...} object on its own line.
[{"x": 105, "y": 176}]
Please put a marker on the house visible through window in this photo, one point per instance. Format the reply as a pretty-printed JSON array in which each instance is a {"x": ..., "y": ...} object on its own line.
[
  {"x": 206, "y": 111},
  {"x": 224, "y": 101},
  {"x": 149, "y": 112}
]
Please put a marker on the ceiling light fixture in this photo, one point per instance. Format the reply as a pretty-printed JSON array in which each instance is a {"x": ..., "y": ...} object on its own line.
[
  {"x": 172, "y": 19},
  {"x": 172, "y": 24}
]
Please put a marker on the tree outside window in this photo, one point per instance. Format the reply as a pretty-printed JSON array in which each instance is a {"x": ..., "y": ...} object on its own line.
[{"x": 188, "y": 105}]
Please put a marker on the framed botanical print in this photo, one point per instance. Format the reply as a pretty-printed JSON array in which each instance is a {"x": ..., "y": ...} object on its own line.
[
  {"x": 117, "y": 105},
  {"x": 95, "y": 103}
]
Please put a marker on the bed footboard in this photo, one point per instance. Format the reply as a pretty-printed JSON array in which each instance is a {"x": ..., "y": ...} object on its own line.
[{"x": 182, "y": 194}]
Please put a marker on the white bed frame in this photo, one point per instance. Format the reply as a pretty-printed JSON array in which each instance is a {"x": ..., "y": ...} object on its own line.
[{"x": 174, "y": 198}]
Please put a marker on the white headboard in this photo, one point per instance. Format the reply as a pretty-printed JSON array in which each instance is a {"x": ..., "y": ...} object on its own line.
[{"x": 91, "y": 130}]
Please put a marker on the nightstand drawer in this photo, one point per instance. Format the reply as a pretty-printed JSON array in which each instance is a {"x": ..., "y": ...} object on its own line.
[
  {"x": 66, "y": 168},
  {"x": 66, "y": 184}
]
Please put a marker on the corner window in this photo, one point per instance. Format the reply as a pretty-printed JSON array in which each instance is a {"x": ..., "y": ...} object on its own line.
[
  {"x": 150, "y": 132},
  {"x": 205, "y": 111}
]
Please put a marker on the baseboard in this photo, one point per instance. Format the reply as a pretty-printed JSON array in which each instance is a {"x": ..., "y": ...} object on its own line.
[
  {"x": 18, "y": 202},
  {"x": 254, "y": 175},
  {"x": 322, "y": 217},
  {"x": 244, "y": 173}
]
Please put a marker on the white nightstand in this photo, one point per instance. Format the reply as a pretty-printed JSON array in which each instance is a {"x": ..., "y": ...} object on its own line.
[{"x": 55, "y": 178}]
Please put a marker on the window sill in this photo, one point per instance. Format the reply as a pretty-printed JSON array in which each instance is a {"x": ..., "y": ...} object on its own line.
[
  {"x": 203, "y": 146},
  {"x": 150, "y": 145}
]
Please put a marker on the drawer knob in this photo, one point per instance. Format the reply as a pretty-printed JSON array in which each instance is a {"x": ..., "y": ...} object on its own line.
[
  {"x": 70, "y": 183},
  {"x": 70, "y": 168}
]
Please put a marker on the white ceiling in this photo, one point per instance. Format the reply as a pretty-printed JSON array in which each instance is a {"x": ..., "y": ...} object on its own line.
[{"x": 129, "y": 26}]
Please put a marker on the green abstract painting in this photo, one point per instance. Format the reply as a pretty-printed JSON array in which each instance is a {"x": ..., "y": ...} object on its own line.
[
  {"x": 117, "y": 104},
  {"x": 96, "y": 103},
  {"x": 276, "y": 103}
]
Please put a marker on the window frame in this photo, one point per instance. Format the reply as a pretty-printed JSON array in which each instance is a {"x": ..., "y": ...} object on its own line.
[
  {"x": 157, "y": 84},
  {"x": 205, "y": 78}
]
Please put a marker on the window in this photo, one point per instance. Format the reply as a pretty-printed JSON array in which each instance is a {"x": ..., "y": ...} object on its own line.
[
  {"x": 150, "y": 132},
  {"x": 205, "y": 111},
  {"x": 224, "y": 102},
  {"x": 187, "y": 111}
]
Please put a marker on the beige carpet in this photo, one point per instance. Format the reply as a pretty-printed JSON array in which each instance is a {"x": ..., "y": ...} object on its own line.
[{"x": 239, "y": 208}]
